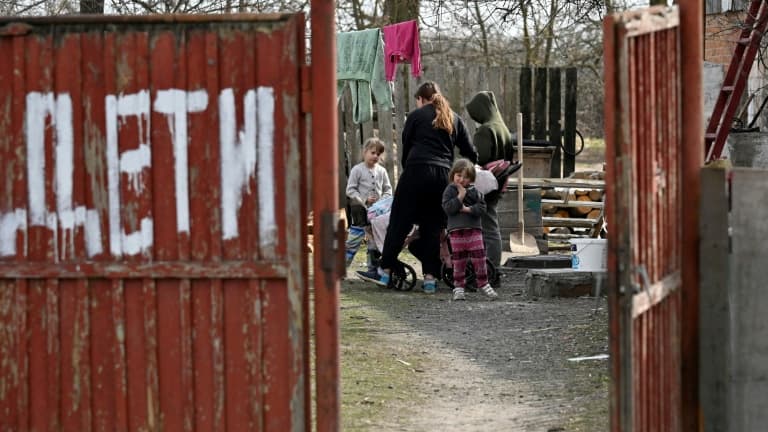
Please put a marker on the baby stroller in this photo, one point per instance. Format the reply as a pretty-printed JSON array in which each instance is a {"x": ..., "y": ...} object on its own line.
[{"x": 403, "y": 276}]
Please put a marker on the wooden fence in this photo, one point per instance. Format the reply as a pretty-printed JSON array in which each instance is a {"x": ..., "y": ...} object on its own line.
[{"x": 545, "y": 96}]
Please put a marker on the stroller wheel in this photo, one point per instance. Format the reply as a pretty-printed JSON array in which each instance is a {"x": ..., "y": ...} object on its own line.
[{"x": 403, "y": 277}]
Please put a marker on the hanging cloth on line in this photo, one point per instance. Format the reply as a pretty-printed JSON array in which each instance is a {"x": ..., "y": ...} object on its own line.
[
  {"x": 401, "y": 43},
  {"x": 360, "y": 64}
]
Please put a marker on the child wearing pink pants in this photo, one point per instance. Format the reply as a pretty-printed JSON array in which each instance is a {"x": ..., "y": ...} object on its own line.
[{"x": 464, "y": 205}]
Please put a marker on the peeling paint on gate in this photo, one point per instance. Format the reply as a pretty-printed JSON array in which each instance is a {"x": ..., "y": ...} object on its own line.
[
  {"x": 650, "y": 60},
  {"x": 239, "y": 150},
  {"x": 150, "y": 226}
]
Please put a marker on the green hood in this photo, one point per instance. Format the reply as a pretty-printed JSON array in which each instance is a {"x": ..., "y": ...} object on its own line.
[
  {"x": 492, "y": 138},
  {"x": 482, "y": 107}
]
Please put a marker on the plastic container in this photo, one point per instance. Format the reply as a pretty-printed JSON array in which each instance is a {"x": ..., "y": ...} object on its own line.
[{"x": 589, "y": 254}]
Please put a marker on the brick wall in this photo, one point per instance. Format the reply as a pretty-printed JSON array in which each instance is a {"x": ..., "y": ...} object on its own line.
[{"x": 720, "y": 36}]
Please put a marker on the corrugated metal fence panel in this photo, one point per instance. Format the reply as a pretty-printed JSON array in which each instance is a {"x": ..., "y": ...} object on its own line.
[
  {"x": 647, "y": 145},
  {"x": 151, "y": 269}
]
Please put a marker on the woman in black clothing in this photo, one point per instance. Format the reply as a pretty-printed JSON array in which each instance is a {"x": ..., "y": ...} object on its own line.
[{"x": 429, "y": 136}]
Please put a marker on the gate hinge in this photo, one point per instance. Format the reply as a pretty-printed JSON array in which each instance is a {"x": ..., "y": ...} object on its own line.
[{"x": 306, "y": 89}]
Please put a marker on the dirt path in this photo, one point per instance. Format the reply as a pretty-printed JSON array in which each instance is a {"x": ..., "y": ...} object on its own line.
[
  {"x": 413, "y": 362},
  {"x": 474, "y": 365}
]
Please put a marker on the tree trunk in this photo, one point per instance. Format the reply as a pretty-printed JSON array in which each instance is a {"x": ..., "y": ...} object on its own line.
[
  {"x": 483, "y": 34},
  {"x": 401, "y": 10},
  {"x": 91, "y": 6},
  {"x": 526, "y": 36}
]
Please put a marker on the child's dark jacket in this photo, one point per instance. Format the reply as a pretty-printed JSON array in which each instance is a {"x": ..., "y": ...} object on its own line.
[{"x": 452, "y": 207}]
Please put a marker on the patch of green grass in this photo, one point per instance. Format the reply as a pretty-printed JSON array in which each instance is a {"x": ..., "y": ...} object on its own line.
[
  {"x": 595, "y": 414},
  {"x": 593, "y": 155},
  {"x": 376, "y": 374},
  {"x": 594, "y": 143}
]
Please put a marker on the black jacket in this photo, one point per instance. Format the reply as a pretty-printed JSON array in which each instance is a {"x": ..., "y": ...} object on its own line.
[
  {"x": 424, "y": 144},
  {"x": 452, "y": 207}
]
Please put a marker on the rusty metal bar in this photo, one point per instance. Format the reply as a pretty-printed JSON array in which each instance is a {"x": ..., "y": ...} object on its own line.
[
  {"x": 305, "y": 162},
  {"x": 325, "y": 206},
  {"x": 619, "y": 337},
  {"x": 692, "y": 58}
]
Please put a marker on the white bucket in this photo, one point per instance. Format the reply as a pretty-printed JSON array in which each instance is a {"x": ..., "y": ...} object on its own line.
[{"x": 589, "y": 254}]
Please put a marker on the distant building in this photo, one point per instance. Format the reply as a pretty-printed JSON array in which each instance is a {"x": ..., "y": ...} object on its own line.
[{"x": 723, "y": 25}]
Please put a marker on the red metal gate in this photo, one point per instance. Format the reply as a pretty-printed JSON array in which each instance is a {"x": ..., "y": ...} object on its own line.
[
  {"x": 649, "y": 167},
  {"x": 152, "y": 265}
]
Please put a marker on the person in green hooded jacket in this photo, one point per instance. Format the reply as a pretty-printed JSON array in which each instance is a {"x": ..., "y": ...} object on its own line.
[{"x": 493, "y": 141}]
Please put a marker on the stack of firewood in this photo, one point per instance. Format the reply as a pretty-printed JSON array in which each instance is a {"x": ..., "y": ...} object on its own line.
[{"x": 563, "y": 203}]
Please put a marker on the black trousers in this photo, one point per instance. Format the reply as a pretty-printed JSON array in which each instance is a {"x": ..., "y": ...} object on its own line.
[
  {"x": 358, "y": 215},
  {"x": 418, "y": 200}
]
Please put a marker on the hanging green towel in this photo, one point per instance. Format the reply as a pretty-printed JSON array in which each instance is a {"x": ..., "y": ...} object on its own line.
[{"x": 360, "y": 63}]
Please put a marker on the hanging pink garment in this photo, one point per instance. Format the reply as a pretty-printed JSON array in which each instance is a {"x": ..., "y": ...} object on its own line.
[{"x": 401, "y": 43}]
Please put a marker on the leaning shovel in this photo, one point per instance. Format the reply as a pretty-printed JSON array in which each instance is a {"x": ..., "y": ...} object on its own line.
[{"x": 520, "y": 242}]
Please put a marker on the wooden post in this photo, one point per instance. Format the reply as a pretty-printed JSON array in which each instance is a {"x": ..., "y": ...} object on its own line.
[
  {"x": 692, "y": 123},
  {"x": 473, "y": 82},
  {"x": 540, "y": 105},
  {"x": 342, "y": 113},
  {"x": 401, "y": 109},
  {"x": 525, "y": 101},
  {"x": 510, "y": 94},
  {"x": 366, "y": 131},
  {"x": 386, "y": 134},
  {"x": 325, "y": 220},
  {"x": 569, "y": 135},
  {"x": 495, "y": 85},
  {"x": 555, "y": 134}
]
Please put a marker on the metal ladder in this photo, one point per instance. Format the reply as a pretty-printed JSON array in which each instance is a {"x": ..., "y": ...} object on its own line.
[{"x": 753, "y": 29}]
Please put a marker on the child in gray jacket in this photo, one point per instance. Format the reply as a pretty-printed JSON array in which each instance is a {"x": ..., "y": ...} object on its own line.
[
  {"x": 464, "y": 206},
  {"x": 368, "y": 182}
]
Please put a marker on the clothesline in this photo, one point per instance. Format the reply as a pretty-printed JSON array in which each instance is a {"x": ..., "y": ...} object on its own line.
[{"x": 366, "y": 62}]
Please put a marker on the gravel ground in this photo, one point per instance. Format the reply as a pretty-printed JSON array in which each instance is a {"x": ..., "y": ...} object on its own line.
[
  {"x": 417, "y": 362},
  {"x": 476, "y": 365}
]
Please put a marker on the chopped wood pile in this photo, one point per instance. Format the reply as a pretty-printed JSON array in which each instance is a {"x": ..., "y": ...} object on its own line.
[{"x": 569, "y": 212}]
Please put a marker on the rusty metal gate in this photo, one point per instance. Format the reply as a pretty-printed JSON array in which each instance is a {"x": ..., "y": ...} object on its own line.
[
  {"x": 649, "y": 164},
  {"x": 152, "y": 259}
]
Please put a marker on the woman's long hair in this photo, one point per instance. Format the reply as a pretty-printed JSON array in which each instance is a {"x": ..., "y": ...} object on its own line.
[{"x": 430, "y": 92}]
